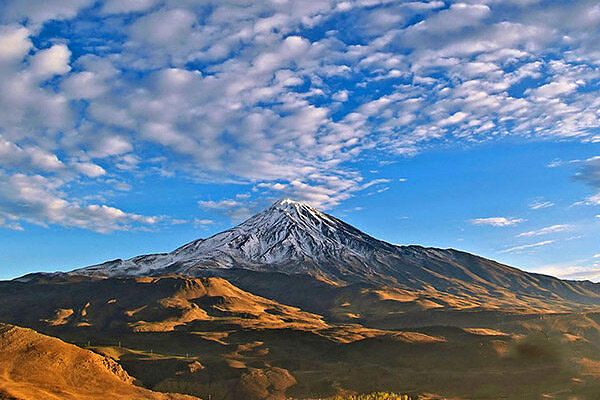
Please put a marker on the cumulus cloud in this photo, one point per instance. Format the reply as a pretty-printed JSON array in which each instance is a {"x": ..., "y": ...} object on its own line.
[
  {"x": 90, "y": 169},
  {"x": 83, "y": 85},
  {"x": 14, "y": 43},
  {"x": 123, "y": 7},
  {"x": 218, "y": 205},
  {"x": 163, "y": 27},
  {"x": 285, "y": 95},
  {"x": 31, "y": 111},
  {"x": 554, "y": 89},
  {"x": 52, "y": 61},
  {"x": 290, "y": 47},
  {"x": 39, "y": 200},
  {"x": 497, "y": 221},
  {"x": 232, "y": 209},
  {"x": 36, "y": 12},
  {"x": 457, "y": 17}
]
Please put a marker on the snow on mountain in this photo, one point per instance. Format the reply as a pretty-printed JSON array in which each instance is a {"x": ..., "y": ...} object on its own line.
[
  {"x": 289, "y": 236},
  {"x": 295, "y": 239}
]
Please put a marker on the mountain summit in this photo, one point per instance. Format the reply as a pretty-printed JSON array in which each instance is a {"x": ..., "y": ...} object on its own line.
[
  {"x": 295, "y": 239},
  {"x": 289, "y": 237}
]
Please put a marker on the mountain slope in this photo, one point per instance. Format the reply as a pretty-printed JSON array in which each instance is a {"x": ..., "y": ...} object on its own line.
[
  {"x": 35, "y": 366},
  {"x": 294, "y": 295},
  {"x": 287, "y": 237},
  {"x": 295, "y": 239},
  {"x": 144, "y": 304}
]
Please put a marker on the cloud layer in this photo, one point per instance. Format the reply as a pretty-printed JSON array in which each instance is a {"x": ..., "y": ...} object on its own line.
[{"x": 285, "y": 95}]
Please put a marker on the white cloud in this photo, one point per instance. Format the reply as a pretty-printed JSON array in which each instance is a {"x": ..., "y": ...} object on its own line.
[
  {"x": 109, "y": 145},
  {"x": 219, "y": 205},
  {"x": 497, "y": 221},
  {"x": 119, "y": 6},
  {"x": 44, "y": 160},
  {"x": 458, "y": 16},
  {"x": 453, "y": 119},
  {"x": 203, "y": 222},
  {"x": 10, "y": 153},
  {"x": 31, "y": 112},
  {"x": 39, "y": 200},
  {"x": 237, "y": 92},
  {"x": 342, "y": 96},
  {"x": 14, "y": 43},
  {"x": 540, "y": 204},
  {"x": 593, "y": 200},
  {"x": 375, "y": 182},
  {"x": 547, "y": 230},
  {"x": 83, "y": 85},
  {"x": 232, "y": 209},
  {"x": 527, "y": 246},
  {"x": 273, "y": 186},
  {"x": 291, "y": 47},
  {"x": 588, "y": 269},
  {"x": 51, "y": 61},
  {"x": 37, "y": 12},
  {"x": 90, "y": 169},
  {"x": 7, "y": 224},
  {"x": 163, "y": 27},
  {"x": 554, "y": 89}
]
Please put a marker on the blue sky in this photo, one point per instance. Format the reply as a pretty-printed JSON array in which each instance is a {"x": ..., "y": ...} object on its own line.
[{"x": 129, "y": 127}]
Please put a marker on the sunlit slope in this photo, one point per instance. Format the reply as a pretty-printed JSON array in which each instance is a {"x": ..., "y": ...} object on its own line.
[
  {"x": 205, "y": 336},
  {"x": 145, "y": 304},
  {"x": 38, "y": 367},
  {"x": 294, "y": 302},
  {"x": 114, "y": 306}
]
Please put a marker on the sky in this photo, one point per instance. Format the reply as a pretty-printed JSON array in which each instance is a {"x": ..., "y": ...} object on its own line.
[{"x": 133, "y": 127}]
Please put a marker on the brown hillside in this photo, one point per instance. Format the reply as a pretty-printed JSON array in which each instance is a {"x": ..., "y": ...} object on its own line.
[
  {"x": 145, "y": 304},
  {"x": 34, "y": 367}
]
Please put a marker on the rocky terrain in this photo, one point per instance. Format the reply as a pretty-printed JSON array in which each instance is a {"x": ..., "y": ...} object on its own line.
[{"x": 296, "y": 303}]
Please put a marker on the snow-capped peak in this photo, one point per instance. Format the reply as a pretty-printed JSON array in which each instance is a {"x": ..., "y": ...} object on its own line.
[
  {"x": 288, "y": 203},
  {"x": 292, "y": 208},
  {"x": 288, "y": 206},
  {"x": 296, "y": 239},
  {"x": 286, "y": 230},
  {"x": 289, "y": 236}
]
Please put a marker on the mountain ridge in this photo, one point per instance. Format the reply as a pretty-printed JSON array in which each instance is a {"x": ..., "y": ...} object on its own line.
[
  {"x": 294, "y": 239},
  {"x": 296, "y": 294},
  {"x": 36, "y": 366}
]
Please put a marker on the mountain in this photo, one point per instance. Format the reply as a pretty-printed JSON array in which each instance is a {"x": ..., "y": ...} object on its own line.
[
  {"x": 145, "y": 304},
  {"x": 294, "y": 303},
  {"x": 205, "y": 338},
  {"x": 288, "y": 237},
  {"x": 200, "y": 336},
  {"x": 36, "y": 366},
  {"x": 294, "y": 240}
]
